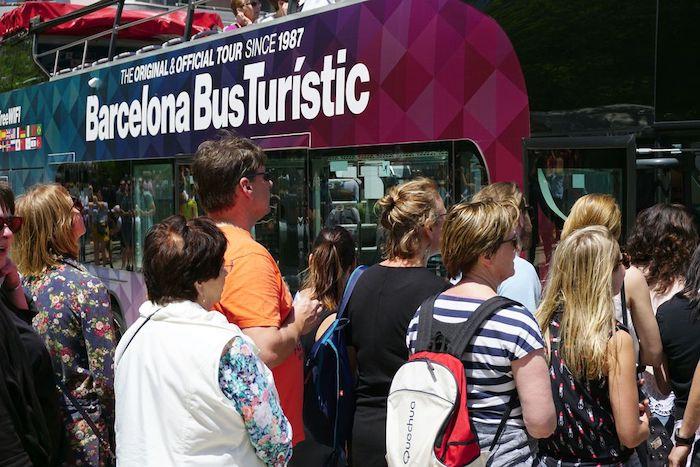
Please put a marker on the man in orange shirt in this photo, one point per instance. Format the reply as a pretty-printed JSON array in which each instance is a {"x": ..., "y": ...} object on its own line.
[{"x": 234, "y": 190}]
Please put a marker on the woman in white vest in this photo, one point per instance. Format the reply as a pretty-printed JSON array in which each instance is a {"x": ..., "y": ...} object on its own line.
[{"x": 190, "y": 388}]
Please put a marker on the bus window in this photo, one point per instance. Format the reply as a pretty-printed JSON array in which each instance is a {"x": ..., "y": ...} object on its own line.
[
  {"x": 153, "y": 200},
  {"x": 346, "y": 186},
  {"x": 284, "y": 230},
  {"x": 103, "y": 189},
  {"x": 471, "y": 174},
  {"x": 557, "y": 178}
]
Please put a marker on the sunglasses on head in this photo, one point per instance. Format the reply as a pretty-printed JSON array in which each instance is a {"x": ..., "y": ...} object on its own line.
[{"x": 14, "y": 223}]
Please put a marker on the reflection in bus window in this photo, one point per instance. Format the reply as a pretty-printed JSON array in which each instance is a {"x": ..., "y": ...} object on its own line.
[
  {"x": 104, "y": 191},
  {"x": 471, "y": 172},
  {"x": 153, "y": 200},
  {"x": 284, "y": 231},
  {"x": 558, "y": 178},
  {"x": 187, "y": 202},
  {"x": 346, "y": 186}
]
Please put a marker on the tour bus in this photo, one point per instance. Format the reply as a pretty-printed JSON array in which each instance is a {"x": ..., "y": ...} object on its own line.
[
  {"x": 614, "y": 106},
  {"x": 348, "y": 100}
]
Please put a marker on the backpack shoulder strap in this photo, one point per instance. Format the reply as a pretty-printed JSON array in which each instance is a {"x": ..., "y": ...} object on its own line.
[
  {"x": 480, "y": 315},
  {"x": 425, "y": 324},
  {"x": 623, "y": 306},
  {"x": 352, "y": 281}
]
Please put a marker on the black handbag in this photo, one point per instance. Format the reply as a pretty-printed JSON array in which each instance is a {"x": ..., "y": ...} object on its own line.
[{"x": 654, "y": 452}]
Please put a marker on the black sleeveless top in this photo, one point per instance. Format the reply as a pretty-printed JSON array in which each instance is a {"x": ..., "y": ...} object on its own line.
[{"x": 585, "y": 433}]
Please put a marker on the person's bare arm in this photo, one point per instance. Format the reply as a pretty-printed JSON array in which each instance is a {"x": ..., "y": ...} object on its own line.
[
  {"x": 639, "y": 300},
  {"x": 691, "y": 422},
  {"x": 632, "y": 429},
  {"x": 276, "y": 344},
  {"x": 531, "y": 376}
]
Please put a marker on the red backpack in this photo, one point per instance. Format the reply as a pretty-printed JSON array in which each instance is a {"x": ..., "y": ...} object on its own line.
[{"x": 427, "y": 418}]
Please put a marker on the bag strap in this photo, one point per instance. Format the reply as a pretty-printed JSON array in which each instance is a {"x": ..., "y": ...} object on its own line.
[
  {"x": 148, "y": 318},
  {"x": 623, "y": 306},
  {"x": 79, "y": 407},
  {"x": 425, "y": 324},
  {"x": 352, "y": 281},
  {"x": 506, "y": 415},
  {"x": 476, "y": 320}
]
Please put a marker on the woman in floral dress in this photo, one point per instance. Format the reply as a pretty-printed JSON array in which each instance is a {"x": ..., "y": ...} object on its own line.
[{"x": 74, "y": 317}]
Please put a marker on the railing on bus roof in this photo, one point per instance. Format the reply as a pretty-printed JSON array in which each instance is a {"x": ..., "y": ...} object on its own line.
[{"x": 36, "y": 27}]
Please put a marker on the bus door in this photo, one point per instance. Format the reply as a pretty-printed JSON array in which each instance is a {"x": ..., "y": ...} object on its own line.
[
  {"x": 558, "y": 171},
  {"x": 284, "y": 231}
]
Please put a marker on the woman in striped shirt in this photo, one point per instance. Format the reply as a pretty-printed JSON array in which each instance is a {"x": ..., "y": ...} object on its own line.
[{"x": 504, "y": 362}]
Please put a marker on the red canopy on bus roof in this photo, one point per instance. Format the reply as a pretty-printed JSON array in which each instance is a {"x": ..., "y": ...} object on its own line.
[{"x": 172, "y": 24}]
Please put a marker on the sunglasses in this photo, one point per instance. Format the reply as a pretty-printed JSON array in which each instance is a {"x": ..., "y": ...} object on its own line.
[
  {"x": 14, "y": 223},
  {"x": 513, "y": 241},
  {"x": 77, "y": 204},
  {"x": 267, "y": 176},
  {"x": 624, "y": 260}
]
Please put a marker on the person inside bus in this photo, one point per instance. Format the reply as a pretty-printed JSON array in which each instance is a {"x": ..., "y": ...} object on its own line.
[
  {"x": 602, "y": 209},
  {"x": 31, "y": 428},
  {"x": 74, "y": 316},
  {"x": 201, "y": 368},
  {"x": 479, "y": 242},
  {"x": 661, "y": 244},
  {"x": 234, "y": 190},
  {"x": 383, "y": 302},
  {"x": 592, "y": 361},
  {"x": 524, "y": 285}
]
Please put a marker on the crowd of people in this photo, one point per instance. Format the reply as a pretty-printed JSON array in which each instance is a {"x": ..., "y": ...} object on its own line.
[{"x": 212, "y": 372}]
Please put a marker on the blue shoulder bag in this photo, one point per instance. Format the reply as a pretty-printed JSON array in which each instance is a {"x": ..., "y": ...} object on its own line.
[{"x": 332, "y": 377}]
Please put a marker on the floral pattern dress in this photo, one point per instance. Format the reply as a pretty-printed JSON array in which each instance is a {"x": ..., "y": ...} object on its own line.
[
  {"x": 74, "y": 318},
  {"x": 248, "y": 383}
]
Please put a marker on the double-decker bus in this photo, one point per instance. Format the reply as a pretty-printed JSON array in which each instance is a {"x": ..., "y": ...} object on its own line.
[{"x": 347, "y": 100}]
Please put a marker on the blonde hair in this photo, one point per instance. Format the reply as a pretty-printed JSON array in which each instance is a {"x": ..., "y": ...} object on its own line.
[
  {"x": 405, "y": 212},
  {"x": 506, "y": 193},
  {"x": 474, "y": 229},
  {"x": 47, "y": 231},
  {"x": 580, "y": 284},
  {"x": 594, "y": 209}
]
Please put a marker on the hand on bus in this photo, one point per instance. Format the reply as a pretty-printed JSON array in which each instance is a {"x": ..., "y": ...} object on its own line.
[{"x": 307, "y": 311}]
